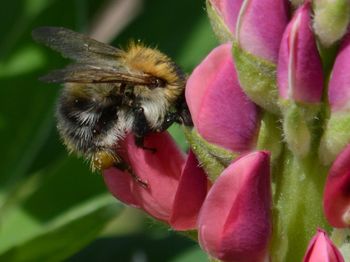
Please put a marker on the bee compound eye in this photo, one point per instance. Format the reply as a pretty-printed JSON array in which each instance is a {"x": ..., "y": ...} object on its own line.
[{"x": 158, "y": 82}]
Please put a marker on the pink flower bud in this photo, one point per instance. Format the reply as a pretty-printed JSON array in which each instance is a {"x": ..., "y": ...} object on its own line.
[
  {"x": 339, "y": 83},
  {"x": 299, "y": 70},
  {"x": 228, "y": 10},
  {"x": 337, "y": 131},
  {"x": 173, "y": 183},
  {"x": 331, "y": 20},
  {"x": 235, "y": 220},
  {"x": 260, "y": 27},
  {"x": 336, "y": 198},
  {"x": 221, "y": 112},
  {"x": 321, "y": 249}
]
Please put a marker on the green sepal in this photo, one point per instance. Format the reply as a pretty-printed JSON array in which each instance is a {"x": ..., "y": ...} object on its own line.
[
  {"x": 298, "y": 120},
  {"x": 257, "y": 78},
  {"x": 220, "y": 29},
  {"x": 335, "y": 137},
  {"x": 331, "y": 19},
  {"x": 212, "y": 158}
]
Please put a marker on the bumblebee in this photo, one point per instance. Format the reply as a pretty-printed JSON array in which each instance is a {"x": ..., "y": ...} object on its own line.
[{"x": 109, "y": 92}]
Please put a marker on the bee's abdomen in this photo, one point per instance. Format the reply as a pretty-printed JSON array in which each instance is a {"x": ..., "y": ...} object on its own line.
[{"x": 84, "y": 122}]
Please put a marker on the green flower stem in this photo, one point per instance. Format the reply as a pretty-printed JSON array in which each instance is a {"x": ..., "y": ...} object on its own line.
[{"x": 297, "y": 206}]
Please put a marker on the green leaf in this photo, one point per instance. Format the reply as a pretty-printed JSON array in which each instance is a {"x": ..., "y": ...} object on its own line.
[
  {"x": 137, "y": 247},
  {"x": 28, "y": 207},
  {"x": 66, "y": 234},
  {"x": 194, "y": 254},
  {"x": 18, "y": 64}
]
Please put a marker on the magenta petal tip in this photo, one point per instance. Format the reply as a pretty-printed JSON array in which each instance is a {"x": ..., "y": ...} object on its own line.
[
  {"x": 322, "y": 249},
  {"x": 221, "y": 112},
  {"x": 299, "y": 70},
  {"x": 336, "y": 198},
  {"x": 235, "y": 220},
  {"x": 260, "y": 27},
  {"x": 339, "y": 91}
]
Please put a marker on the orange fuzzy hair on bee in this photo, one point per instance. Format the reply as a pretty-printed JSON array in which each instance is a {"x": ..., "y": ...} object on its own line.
[{"x": 153, "y": 62}]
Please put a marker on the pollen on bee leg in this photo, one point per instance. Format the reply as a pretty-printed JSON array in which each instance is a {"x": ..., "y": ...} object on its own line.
[{"x": 103, "y": 160}]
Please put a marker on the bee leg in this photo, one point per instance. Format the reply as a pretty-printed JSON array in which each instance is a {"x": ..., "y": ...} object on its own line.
[
  {"x": 139, "y": 142},
  {"x": 169, "y": 119},
  {"x": 141, "y": 128},
  {"x": 125, "y": 167},
  {"x": 184, "y": 113}
]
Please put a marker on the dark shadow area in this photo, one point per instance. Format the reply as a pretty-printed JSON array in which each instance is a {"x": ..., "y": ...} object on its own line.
[{"x": 134, "y": 247}]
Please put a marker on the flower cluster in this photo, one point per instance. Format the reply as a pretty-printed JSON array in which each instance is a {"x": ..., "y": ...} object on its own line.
[{"x": 267, "y": 177}]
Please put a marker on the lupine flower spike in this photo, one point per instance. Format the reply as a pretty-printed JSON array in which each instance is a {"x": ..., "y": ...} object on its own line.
[{"x": 269, "y": 151}]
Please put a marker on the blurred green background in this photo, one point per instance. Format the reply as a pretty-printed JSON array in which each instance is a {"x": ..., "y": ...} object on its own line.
[{"x": 52, "y": 208}]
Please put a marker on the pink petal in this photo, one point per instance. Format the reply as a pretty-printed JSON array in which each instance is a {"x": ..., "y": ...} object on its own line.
[
  {"x": 299, "y": 71},
  {"x": 321, "y": 249},
  {"x": 339, "y": 84},
  {"x": 262, "y": 23},
  {"x": 336, "y": 197},
  {"x": 192, "y": 189},
  {"x": 161, "y": 170},
  {"x": 119, "y": 184},
  {"x": 235, "y": 220},
  {"x": 221, "y": 112}
]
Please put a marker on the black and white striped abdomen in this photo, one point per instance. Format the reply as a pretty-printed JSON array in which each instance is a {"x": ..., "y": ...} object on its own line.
[{"x": 88, "y": 124}]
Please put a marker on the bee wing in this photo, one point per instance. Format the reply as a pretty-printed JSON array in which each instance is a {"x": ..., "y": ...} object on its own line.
[
  {"x": 83, "y": 73},
  {"x": 77, "y": 46}
]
